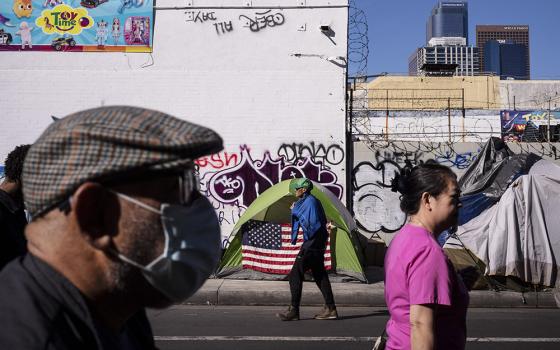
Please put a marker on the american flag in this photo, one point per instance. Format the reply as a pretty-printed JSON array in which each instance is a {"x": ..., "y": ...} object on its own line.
[{"x": 267, "y": 247}]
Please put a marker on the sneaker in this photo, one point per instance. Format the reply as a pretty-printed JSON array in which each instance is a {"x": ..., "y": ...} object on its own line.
[
  {"x": 291, "y": 315},
  {"x": 328, "y": 313}
]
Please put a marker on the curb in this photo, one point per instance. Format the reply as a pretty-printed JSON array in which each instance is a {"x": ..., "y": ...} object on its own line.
[{"x": 277, "y": 293}]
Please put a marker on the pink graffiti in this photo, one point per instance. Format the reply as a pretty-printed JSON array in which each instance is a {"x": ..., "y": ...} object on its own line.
[{"x": 218, "y": 160}]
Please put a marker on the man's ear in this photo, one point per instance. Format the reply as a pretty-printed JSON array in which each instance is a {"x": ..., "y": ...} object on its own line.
[{"x": 96, "y": 211}]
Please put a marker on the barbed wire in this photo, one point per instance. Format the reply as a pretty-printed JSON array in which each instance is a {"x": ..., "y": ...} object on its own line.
[
  {"x": 439, "y": 127},
  {"x": 537, "y": 99},
  {"x": 358, "y": 42}
]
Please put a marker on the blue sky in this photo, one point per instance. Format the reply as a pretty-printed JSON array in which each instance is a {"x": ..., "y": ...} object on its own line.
[{"x": 397, "y": 27}]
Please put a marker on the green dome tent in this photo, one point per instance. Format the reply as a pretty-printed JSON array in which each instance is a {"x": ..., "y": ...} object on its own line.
[{"x": 274, "y": 206}]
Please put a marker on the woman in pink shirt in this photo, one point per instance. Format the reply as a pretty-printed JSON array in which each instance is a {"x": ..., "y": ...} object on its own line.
[{"x": 427, "y": 300}]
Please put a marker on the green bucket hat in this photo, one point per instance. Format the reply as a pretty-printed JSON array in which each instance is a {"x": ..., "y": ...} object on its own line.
[{"x": 299, "y": 183}]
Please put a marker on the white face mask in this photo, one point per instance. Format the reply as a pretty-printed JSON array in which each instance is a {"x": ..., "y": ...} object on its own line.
[{"x": 192, "y": 247}]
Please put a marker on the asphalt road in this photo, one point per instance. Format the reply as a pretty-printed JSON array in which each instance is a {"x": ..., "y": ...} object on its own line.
[{"x": 256, "y": 327}]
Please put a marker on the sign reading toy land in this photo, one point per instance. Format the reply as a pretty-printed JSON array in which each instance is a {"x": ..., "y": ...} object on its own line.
[{"x": 74, "y": 25}]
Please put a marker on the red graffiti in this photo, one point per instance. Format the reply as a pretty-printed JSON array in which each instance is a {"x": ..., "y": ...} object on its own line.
[{"x": 218, "y": 160}]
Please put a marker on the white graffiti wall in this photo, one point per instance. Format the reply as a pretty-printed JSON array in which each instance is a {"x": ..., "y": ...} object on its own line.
[
  {"x": 376, "y": 207},
  {"x": 234, "y": 179},
  {"x": 268, "y": 75},
  {"x": 434, "y": 126}
]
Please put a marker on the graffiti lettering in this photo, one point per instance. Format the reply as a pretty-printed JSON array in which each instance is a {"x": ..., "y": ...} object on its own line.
[
  {"x": 399, "y": 157},
  {"x": 376, "y": 207},
  {"x": 200, "y": 16},
  {"x": 224, "y": 27},
  {"x": 295, "y": 152},
  {"x": 242, "y": 184},
  {"x": 218, "y": 160},
  {"x": 454, "y": 160},
  {"x": 263, "y": 20},
  {"x": 228, "y": 184}
]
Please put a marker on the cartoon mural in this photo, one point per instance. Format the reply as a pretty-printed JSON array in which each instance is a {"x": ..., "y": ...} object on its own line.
[{"x": 76, "y": 26}]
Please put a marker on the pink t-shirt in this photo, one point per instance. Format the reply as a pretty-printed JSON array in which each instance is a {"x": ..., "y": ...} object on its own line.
[{"x": 417, "y": 272}]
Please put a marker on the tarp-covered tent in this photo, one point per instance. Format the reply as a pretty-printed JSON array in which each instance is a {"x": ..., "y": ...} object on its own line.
[
  {"x": 486, "y": 180},
  {"x": 274, "y": 206},
  {"x": 488, "y": 177},
  {"x": 519, "y": 236}
]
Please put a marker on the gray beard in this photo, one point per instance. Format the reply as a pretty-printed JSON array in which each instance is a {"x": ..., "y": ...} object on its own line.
[{"x": 144, "y": 233}]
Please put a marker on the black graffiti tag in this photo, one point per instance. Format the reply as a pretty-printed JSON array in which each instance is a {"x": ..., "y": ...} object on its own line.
[
  {"x": 293, "y": 152},
  {"x": 200, "y": 16},
  {"x": 242, "y": 184},
  {"x": 263, "y": 20},
  {"x": 376, "y": 207},
  {"x": 223, "y": 27}
]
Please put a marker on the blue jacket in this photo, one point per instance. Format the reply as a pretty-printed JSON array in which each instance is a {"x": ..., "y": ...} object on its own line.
[{"x": 307, "y": 213}]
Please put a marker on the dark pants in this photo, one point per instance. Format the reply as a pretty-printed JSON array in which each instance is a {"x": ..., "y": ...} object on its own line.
[{"x": 314, "y": 260}]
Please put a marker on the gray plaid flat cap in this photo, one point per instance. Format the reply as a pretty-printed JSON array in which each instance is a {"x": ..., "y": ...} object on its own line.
[{"x": 104, "y": 142}]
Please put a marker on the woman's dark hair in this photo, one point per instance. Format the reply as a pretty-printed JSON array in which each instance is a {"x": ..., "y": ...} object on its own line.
[
  {"x": 429, "y": 177},
  {"x": 14, "y": 163}
]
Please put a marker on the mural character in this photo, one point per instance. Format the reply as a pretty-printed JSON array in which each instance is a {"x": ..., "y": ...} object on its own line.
[
  {"x": 5, "y": 37},
  {"x": 142, "y": 26},
  {"x": 52, "y": 3},
  {"x": 137, "y": 31},
  {"x": 116, "y": 30},
  {"x": 101, "y": 33},
  {"x": 23, "y": 8},
  {"x": 25, "y": 33}
]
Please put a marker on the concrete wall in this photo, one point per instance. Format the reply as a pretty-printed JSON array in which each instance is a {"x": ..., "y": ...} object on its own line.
[
  {"x": 529, "y": 94},
  {"x": 376, "y": 207},
  {"x": 481, "y": 92},
  {"x": 407, "y": 92},
  {"x": 274, "y": 91},
  {"x": 432, "y": 126}
]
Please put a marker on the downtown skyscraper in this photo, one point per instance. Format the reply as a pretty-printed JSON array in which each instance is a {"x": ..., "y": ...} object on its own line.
[
  {"x": 446, "y": 51},
  {"x": 509, "y": 47},
  {"x": 448, "y": 20}
]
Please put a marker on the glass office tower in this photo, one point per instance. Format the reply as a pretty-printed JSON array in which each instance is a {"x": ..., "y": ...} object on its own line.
[
  {"x": 518, "y": 34},
  {"x": 448, "y": 19}
]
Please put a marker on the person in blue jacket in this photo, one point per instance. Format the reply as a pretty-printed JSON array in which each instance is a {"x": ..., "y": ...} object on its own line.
[{"x": 308, "y": 213}]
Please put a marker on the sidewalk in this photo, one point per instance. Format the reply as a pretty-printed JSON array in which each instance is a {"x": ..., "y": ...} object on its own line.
[{"x": 249, "y": 292}]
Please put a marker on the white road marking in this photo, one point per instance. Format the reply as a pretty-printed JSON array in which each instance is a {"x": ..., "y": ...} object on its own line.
[
  {"x": 341, "y": 339},
  {"x": 513, "y": 340}
]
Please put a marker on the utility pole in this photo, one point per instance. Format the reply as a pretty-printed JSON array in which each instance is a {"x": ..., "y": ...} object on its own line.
[
  {"x": 387, "y": 117},
  {"x": 548, "y": 130},
  {"x": 349, "y": 149},
  {"x": 463, "y": 110},
  {"x": 449, "y": 117}
]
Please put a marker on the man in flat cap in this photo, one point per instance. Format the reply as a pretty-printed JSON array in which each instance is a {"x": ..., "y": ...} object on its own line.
[
  {"x": 308, "y": 213},
  {"x": 117, "y": 226}
]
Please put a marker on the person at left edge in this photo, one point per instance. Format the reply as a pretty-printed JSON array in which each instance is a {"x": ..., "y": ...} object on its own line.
[
  {"x": 12, "y": 209},
  {"x": 117, "y": 226}
]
